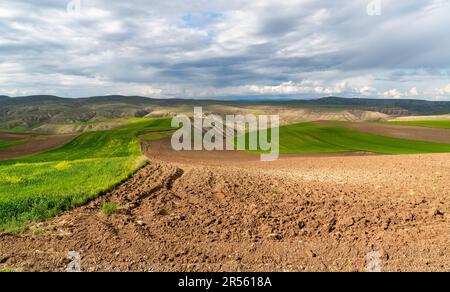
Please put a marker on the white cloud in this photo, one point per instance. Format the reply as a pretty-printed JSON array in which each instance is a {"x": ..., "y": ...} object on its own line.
[
  {"x": 367, "y": 90},
  {"x": 413, "y": 91},
  {"x": 445, "y": 90},
  {"x": 291, "y": 88},
  {"x": 393, "y": 93},
  {"x": 141, "y": 90}
]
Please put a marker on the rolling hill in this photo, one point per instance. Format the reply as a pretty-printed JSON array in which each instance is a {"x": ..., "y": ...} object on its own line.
[
  {"x": 40, "y": 186},
  {"x": 30, "y": 112}
]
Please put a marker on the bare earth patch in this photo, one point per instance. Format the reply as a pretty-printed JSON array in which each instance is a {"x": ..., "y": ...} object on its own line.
[
  {"x": 397, "y": 131},
  {"x": 230, "y": 212},
  {"x": 14, "y": 136},
  {"x": 421, "y": 118},
  {"x": 36, "y": 145}
]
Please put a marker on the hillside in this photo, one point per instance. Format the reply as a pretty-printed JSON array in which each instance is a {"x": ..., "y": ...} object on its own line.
[
  {"x": 34, "y": 111},
  {"x": 389, "y": 106}
]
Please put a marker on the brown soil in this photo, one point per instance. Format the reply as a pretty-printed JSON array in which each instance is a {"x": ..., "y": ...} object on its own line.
[
  {"x": 421, "y": 118},
  {"x": 398, "y": 131},
  {"x": 14, "y": 136},
  {"x": 295, "y": 214},
  {"x": 163, "y": 152},
  {"x": 36, "y": 145}
]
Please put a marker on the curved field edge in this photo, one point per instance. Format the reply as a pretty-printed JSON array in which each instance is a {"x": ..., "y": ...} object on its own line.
[
  {"x": 41, "y": 186},
  {"x": 8, "y": 144},
  {"x": 440, "y": 124},
  {"x": 309, "y": 138}
]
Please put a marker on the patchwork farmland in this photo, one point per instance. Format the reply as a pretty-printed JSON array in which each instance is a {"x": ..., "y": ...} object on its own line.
[{"x": 128, "y": 202}]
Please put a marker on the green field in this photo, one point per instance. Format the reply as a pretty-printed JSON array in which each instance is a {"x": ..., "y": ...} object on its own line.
[
  {"x": 155, "y": 136},
  {"x": 16, "y": 130},
  {"x": 43, "y": 185},
  {"x": 40, "y": 186},
  {"x": 429, "y": 124},
  {"x": 311, "y": 138},
  {"x": 8, "y": 144}
]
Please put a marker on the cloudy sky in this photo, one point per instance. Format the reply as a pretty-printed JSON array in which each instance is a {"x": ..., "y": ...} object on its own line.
[{"x": 226, "y": 48}]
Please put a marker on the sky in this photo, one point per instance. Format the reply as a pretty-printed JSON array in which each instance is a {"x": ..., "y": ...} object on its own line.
[{"x": 393, "y": 49}]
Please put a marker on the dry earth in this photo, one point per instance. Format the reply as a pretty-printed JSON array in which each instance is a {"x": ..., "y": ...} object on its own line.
[
  {"x": 6, "y": 136},
  {"x": 59, "y": 129},
  {"x": 287, "y": 115},
  {"x": 227, "y": 211},
  {"x": 36, "y": 145},
  {"x": 398, "y": 131},
  {"x": 421, "y": 118}
]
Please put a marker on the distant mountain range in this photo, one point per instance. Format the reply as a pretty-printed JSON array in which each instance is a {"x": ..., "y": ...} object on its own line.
[{"x": 32, "y": 111}]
